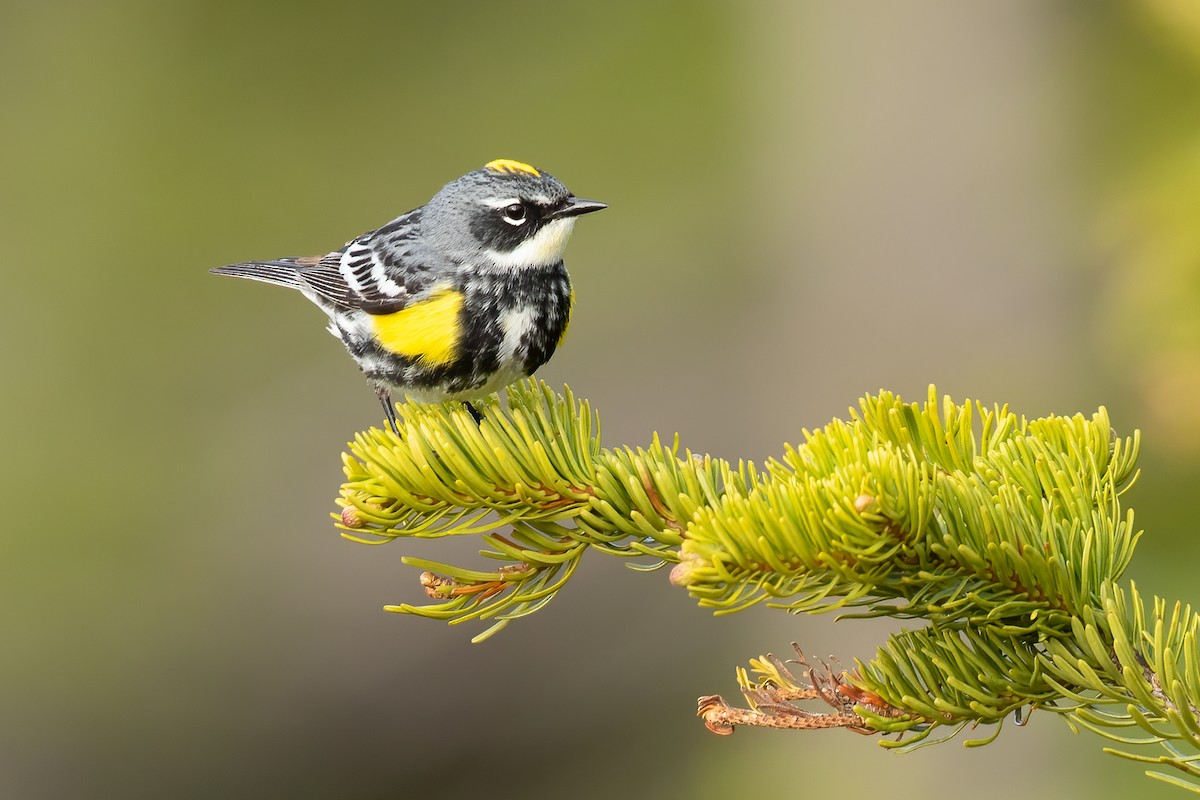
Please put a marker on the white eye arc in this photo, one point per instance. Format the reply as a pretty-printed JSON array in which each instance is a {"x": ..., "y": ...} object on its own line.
[{"x": 515, "y": 214}]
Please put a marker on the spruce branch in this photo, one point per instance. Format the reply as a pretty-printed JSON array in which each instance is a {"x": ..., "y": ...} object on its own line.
[
  {"x": 535, "y": 467},
  {"x": 1005, "y": 535}
]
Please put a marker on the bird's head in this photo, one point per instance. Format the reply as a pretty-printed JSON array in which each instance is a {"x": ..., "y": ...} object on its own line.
[{"x": 507, "y": 215}]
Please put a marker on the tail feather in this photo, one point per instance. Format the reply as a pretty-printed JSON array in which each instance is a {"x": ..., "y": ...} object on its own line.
[{"x": 280, "y": 272}]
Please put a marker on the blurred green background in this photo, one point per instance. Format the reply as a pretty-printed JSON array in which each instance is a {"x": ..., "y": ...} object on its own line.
[{"x": 809, "y": 201}]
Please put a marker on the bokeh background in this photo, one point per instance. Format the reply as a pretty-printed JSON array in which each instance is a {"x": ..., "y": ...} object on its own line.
[{"x": 809, "y": 201}]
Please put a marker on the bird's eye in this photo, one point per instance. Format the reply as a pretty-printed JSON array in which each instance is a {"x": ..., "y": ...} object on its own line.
[{"x": 515, "y": 214}]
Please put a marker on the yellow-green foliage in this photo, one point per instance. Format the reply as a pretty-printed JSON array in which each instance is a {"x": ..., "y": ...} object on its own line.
[
  {"x": 1005, "y": 535},
  {"x": 995, "y": 518}
]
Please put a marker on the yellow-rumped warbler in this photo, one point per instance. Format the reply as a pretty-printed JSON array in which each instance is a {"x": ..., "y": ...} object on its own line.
[{"x": 453, "y": 300}]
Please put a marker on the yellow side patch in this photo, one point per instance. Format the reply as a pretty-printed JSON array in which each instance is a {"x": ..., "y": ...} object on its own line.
[
  {"x": 508, "y": 165},
  {"x": 428, "y": 330},
  {"x": 570, "y": 308}
]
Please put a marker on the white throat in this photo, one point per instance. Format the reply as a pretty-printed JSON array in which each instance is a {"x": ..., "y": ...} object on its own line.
[{"x": 544, "y": 249}]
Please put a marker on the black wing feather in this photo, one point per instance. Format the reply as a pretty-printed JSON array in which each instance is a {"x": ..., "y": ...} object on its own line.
[{"x": 323, "y": 276}]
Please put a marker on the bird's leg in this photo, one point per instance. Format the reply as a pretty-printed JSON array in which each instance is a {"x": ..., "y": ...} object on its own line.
[
  {"x": 389, "y": 408},
  {"x": 474, "y": 412}
]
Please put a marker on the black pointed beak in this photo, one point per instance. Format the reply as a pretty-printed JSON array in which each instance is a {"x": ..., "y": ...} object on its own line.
[{"x": 576, "y": 206}]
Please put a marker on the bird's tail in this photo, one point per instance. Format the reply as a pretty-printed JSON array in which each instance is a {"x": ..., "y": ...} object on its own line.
[{"x": 281, "y": 272}]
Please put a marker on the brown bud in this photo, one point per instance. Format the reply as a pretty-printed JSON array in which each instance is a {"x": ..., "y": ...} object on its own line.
[
  {"x": 350, "y": 517},
  {"x": 712, "y": 709},
  {"x": 436, "y": 585}
]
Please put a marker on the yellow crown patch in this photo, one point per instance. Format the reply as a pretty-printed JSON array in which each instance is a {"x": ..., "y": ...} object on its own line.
[{"x": 508, "y": 165}]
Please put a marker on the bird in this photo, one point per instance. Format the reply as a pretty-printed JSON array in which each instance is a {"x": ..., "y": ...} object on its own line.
[{"x": 454, "y": 300}]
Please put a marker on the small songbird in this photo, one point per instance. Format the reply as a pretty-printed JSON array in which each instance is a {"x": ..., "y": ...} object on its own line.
[{"x": 456, "y": 299}]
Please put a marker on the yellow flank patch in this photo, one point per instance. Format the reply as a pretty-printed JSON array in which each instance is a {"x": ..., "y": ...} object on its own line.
[
  {"x": 508, "y": 165},
  {"x": 570, "y": 308},
  {"x": 427, "y": 331}
]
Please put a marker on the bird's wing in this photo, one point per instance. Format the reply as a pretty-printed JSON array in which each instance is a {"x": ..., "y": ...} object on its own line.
[{"x": 378, "y": 272}]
